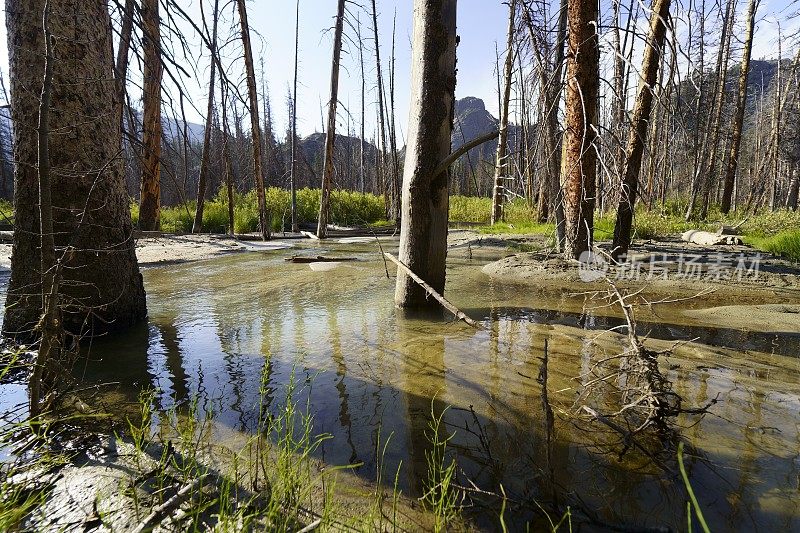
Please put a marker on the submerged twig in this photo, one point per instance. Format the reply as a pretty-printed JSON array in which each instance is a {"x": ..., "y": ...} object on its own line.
[{"x": 438, "y": 297}]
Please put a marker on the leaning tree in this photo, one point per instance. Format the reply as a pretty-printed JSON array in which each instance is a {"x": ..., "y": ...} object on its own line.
[{"x": 101, "y": 288}]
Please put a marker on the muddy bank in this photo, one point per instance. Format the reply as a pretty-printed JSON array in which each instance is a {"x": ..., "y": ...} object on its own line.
[
  {"x": 773, "y": 318},
  {"x": 114, "y": 485},
  {"x": 667, "y": 267}
]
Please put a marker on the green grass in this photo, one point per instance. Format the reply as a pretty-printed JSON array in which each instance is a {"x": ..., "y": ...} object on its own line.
[
  {"x": 523, "y": 227},
  {"x": 478, "y": 210},
  {"x": 774, "y": 232},
  {"x": 784, "y": 244},
  {"x": 6, "y": 212},
  {"x": 347, "y": 208}
]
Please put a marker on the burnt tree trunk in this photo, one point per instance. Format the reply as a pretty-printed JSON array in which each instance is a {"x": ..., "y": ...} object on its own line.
[
  {"x": 101, "y": 288},
  {"x": 150, "y": 196},
  {"x": 579, "y": 152},
  {"x": 501, "y": 161},
  {"x": 205, "y": 160},
  {"x": 330, "y": 134},
  {"x": 293, "y": 170},
  {"x": 121, "y": 67},
  {"x": 423, "y": 233},
  {"x": 381, "y": 167},
  {"x": 794, "y": 188},
  {"x": 226, "y": 156},
  {"x": 651, "y": 64},
  {"x": 741, "y": 101},
  {"x": 265, "y": 224}
]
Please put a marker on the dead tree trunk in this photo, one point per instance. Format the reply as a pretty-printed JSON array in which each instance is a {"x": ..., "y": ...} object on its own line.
[
  {"x": 363, "y": 106},
  {"x": 226, "y": 156},
  {"x": 381, "y": 111},
  {"x": 501, "y": 161},
  {"x": 775, "y": 149},
  {"x": 619, "y": 101},
  {"x": 396, "y": 201},
  {"x": 555, "y": 192},
  {"x": 51, "y": 333},
  {"x": 150, "y": 196},
  {"x": 205, "y": 160},
  {"x": 741, "y": 101},
  {"x": 700, "y": 123},
  {"x": 639, "y": 125},
  {"x": 579, "y": 153},
  {"x": 709, "y": 155},
  {"x": 794, "y": 189},
  {"x": 121, "y": 68},
  {"x": 423, "y": 234},
  {"x": 100, "y": 278},
  {"x": 330, "y": 135},
  {"x": 293, "y": 172},
  {"x": 265, "y": 224}
]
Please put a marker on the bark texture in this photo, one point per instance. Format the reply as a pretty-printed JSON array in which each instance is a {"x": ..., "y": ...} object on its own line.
[
  {"x": 101, "y": 288},
  {"x": 150, "y": 198},
  {"x": 579, "y": 153},
  {"x": 423, "y": 233},
  {"x": 642, "y": 110}
]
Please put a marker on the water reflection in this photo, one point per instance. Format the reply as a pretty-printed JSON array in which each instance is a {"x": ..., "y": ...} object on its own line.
[{"x": 372, "y": 375}]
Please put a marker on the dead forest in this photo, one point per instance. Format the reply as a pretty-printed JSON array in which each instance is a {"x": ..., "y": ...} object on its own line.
[{"x": 571, "y": 299}]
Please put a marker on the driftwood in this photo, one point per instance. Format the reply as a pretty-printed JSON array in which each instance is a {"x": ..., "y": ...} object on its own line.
[
  {"x": 438, "y": 297},
  {"x": 312, "y": 526},
  {"x": 318, "y": 259},
  {"x": 707, "y": 238},
  {"x": 162, "y": 511}
]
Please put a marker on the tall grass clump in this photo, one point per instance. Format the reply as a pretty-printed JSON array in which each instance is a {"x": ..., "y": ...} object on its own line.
[{"x": 441, "y": 497}]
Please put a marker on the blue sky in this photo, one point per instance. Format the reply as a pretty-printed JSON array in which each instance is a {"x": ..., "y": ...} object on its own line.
[
  {"x": 481, "y": 26},
  {"x": 480, "y": 22}
]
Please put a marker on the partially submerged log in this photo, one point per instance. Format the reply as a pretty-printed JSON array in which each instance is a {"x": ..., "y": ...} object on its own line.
[
  {"x": 318, "y": 259},
  {"x": 706, "y": 238},
  {"x": 438, "y": 297}
]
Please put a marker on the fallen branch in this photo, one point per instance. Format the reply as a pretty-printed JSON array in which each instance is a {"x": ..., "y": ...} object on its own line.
[
  {"x": 162, "y": 511},
  {"x": 318, "y": 259},
  {"x": 312, "y": 526},
  {"x": 439, "y": 298}
]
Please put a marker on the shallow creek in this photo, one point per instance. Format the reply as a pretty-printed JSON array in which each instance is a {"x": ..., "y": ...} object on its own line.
[{"x": 215, "y": 327}]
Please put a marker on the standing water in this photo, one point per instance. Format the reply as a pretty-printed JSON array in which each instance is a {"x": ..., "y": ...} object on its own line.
[{"x": 217, "y": 328}]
